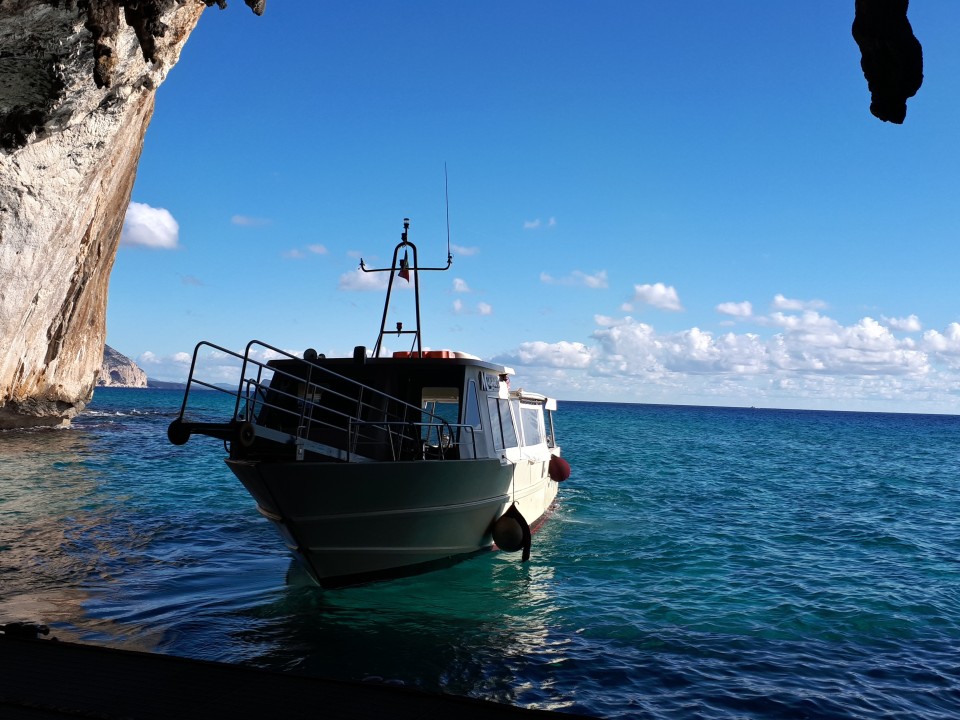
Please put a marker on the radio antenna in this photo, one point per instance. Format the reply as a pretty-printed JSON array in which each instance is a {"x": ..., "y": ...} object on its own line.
[{"x": 446, "y": 192}]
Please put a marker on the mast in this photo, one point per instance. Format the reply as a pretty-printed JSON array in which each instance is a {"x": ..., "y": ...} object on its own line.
[{"x": 401, "y": 267}]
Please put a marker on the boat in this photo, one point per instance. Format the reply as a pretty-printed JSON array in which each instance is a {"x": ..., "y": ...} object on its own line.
[{"x": 382, "y": 465}]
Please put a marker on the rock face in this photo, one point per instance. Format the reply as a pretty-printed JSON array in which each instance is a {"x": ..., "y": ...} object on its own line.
[
  {"x": 77, "y": 85},
  {"x": 118, "y": 370}
]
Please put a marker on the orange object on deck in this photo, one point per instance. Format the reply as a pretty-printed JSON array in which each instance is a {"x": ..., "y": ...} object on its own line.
[{"x": 426, "y": 354}]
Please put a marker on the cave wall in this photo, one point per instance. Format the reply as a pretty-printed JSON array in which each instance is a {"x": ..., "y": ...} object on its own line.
[{"x": 75, "y": 112}]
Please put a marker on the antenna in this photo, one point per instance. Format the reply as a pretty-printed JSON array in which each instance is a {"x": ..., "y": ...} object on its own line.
[{"x": 446, "y": 192}]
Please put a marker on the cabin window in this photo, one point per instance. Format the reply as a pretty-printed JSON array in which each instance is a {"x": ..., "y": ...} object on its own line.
[
  {"x": 471, "y": 409},
  {"x": 507, "y": 427},
  {"x": 531, "y": 421},
  {"x": 497, "y": 431},
  {"x": 439, "y": 403}
]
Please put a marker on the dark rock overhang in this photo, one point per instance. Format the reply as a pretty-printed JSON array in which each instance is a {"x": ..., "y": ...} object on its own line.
[
  {"x": 103, "y": 21},
  {"x": 891, "y": 56}
]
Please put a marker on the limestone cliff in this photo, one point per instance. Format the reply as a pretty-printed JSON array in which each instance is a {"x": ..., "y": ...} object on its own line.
[
  {"x": 77, "y": 85},
  {"x": 118, "y": 370}
]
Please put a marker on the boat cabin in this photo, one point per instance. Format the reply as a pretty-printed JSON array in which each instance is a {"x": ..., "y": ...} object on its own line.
[{"x": 440, "y": 406}]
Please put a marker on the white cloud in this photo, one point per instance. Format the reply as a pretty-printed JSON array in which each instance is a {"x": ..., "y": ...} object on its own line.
[
  {"x": 298, "y": 254},
  {"x": 658, "y": 295},
  {"x": 809, "y": 360},
  {"x": 460, "y": 286},
  {"x": 782, "y": 303},
  {"x": 146, "y": 226},
  {"x": 736, "y": 309},
  {"x": 465, "y": 251},
  {"x": 212, "y": 366},
  {"x": 945, "y": 346},
  {"x": 559, "y": 355},
  {"x": 247, "y": 221},
  {"x": 360, "y": 281},
  {"x": 481, "y": 308},
  {"x": 911, "y": 323},
  {"x": 534, "y": 224},
  {"x": 597, "y": 281},
  {"x": 147, "y": 358}
]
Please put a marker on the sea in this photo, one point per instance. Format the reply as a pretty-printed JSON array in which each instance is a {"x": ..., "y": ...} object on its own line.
[{"x": 701, "y": 562}]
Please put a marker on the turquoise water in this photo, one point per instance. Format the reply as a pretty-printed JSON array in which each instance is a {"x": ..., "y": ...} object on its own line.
[{"x": 701, "y": 563}]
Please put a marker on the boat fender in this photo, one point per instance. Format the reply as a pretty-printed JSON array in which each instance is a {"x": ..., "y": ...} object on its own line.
[
  {"x": 309, "y": 354},
  {"x": 177, "y": 433},
  {"x": 246, "y": 434},
  {"x": 511, "y": 532},
  {"x": 559, "y": 469},
  {"x": 360, "y": 354}
]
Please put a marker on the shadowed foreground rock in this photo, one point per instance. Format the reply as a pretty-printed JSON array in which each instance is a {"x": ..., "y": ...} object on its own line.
[
  {"x": 891, "y": 57},
  {"x": 77, "y": 87}
]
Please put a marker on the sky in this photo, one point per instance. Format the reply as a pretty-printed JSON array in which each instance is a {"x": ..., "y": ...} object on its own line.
[{"x": 684, "y": 203}]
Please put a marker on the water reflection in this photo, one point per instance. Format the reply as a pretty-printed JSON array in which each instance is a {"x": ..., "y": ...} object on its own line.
[
  {"x": 487, "y": 627},
  {"x": 58, "y": 535}
]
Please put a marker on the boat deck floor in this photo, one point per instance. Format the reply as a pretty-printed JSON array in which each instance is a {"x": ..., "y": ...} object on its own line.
[{"x": 52, "y": 680}]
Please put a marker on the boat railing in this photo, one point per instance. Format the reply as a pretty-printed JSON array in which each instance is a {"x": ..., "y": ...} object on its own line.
[
  {"x": 427, "y": 440},
  {"x": 316, "y": 410}
]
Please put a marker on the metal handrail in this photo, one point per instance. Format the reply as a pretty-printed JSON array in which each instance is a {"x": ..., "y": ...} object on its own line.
[{"x": 252, "y": 392}]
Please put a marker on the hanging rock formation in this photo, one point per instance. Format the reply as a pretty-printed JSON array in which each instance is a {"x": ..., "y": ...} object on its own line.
[
  {"x": 891, "y": 57},
  {"x": 77, "y": 86}
]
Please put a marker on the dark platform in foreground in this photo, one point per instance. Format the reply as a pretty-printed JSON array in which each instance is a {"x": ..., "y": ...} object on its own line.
[{"x": 46, "y": 680}]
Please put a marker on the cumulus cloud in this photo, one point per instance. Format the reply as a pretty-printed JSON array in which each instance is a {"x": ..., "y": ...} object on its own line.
[
  {"x": 808, "y": 360},
  {"x": 317, "y": 249},
  {"x": 360, "y": 281},
  {"x": 578, "y": 277},
  {"x": 783, "y": 303},
  {"x": 484, "y": 308},
  {"x": 911, "y": 323},
  {"x": 559, "y": 355},
  {"x": 151, "y": 227},
  {"x": 658, "y": 295},
  {"x": 736, "y": 309},
  {"x": 460, "y": 285},
  {"x": 945, "y": 346},
  {"x": 464, "y": 251}
]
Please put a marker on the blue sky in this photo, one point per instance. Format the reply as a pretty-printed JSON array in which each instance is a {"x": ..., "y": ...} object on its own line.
[{"x": 649, "y": 202}]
